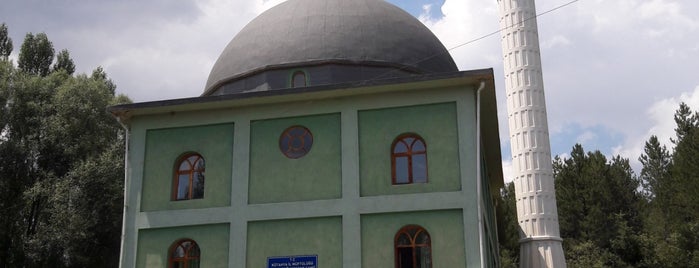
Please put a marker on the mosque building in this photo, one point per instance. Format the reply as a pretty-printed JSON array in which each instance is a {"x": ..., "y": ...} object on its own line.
[{"x": 330, "y": 133}]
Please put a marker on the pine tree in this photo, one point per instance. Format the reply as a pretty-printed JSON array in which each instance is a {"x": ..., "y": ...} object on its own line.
[
  {"x": 598, "y": 209},
  {"x": 685, "y": 168},
  {"x": 671, "y": 182},
  {"x": 656, "y": 163},
  {"x": 657, "y": 185},
  {"x": 684, "y": 183},
  {"x": 686, "y": 122}
]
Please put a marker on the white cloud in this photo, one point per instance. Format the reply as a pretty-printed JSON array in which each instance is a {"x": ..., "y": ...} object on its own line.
[
  {"x": 152, "y": 50},
  {"x": 585, "y": 137},
  {"x": 461, "y": 25},
  {"x": 557, "y": 40},
  {"x": 261, "y": 6},
  {"x": 616, "y": 16},
  {"x": 426, "y": 10},
  {"x": 507, "y": 171},
  {"x": 178, "y": 60},
  {"x": 667, "y": 11}
]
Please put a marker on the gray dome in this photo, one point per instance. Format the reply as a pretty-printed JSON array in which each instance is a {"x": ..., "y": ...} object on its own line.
[{"x": 300, "y": 33}]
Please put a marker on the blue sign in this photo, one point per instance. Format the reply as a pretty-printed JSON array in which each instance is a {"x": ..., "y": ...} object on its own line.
[{"x": 306, "y": 261}]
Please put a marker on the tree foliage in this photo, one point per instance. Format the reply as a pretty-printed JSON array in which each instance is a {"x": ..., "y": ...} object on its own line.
[
  {"x": 5, "y": 42},
  {"x": 656, "y": 163},
  {"x": 36, "y": 54},
  {"x": 508, "y": 230},
  {"x": 64, "y": 62},
  {"x": 673, "y": 212},
  {"x": 686, "y": 122},
  {"x": 61, "y": 164},
  {"x": 598, "y": 208}
]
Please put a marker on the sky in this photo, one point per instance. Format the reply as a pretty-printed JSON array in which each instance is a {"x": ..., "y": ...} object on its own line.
[{"x": 614, "y": 70}]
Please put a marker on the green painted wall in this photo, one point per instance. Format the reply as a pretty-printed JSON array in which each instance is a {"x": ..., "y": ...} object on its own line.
[
  {"x": 315, "y": 236},
  {"x": 164, "y": 146},
  {"x": 445, "y": 228},
  {"x": 435, "y": 123},
  {"x": 153, "y": 244},
  {"x": 276, "y": 178}
]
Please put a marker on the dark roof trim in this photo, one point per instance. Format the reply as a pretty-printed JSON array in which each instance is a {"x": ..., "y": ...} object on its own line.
[
  {"x": 399, "y": 67},
  {"x": 120, "y": 110}
]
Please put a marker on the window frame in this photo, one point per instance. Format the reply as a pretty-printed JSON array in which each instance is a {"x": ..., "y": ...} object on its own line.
[
  {"x": 292, "y": 78},
  {"x": 409, "y": 154},
  {"x": 186, "y": 259},
  {"x": 406, "y": 230},
  {"x": 193, "y": 170}
]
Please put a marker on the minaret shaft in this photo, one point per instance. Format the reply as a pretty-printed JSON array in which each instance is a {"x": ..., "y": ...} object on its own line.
[{"x": 537, "y": 215}]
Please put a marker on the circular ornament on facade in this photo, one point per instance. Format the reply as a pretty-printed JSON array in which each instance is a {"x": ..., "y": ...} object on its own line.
[{"x": 295, "y": 142}]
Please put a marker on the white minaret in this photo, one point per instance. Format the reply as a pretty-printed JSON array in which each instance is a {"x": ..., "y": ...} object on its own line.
[{"x": 540, "y": 244}]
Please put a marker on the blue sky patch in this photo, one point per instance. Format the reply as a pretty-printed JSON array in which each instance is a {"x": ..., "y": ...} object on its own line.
[
  {"x": 414, "y": 7},
  {"x": 591, "y": 138}
]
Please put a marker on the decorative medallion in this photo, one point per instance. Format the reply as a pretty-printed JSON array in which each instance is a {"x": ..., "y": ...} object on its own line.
[{"x": 295, "y": 142}]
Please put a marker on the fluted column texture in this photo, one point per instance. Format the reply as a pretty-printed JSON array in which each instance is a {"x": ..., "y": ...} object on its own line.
[{"x": 540, "y": 244}]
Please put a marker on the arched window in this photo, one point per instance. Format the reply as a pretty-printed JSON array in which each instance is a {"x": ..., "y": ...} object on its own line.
[
  {"x": 184, "y": 254},
  {"x": 413, "y": 247},
  {"x": 298, "y": 79},
  {"x": 189, "y": 177},
  {"x": 409, "y": 159}
]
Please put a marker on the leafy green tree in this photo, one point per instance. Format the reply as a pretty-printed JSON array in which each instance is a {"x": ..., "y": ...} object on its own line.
[
  {"x": 5, "y": 42},
  {"x": 18, "y": 149},
  {"x": 12, "y": 171},
  {"x": 588, "y": 255},
  {"x": 64, "y": 62},
  {"x": 61, "y": 169},
  {"x": 99, "y": 74},
  {"x": 36, "y": 54}
]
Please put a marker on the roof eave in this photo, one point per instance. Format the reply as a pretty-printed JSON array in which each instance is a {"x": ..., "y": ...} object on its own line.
[{"x": 291, "y": 94}]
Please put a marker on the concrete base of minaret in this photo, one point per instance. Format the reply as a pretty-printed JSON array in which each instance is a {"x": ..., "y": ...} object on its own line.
[{"x": 540, "y": 252}]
